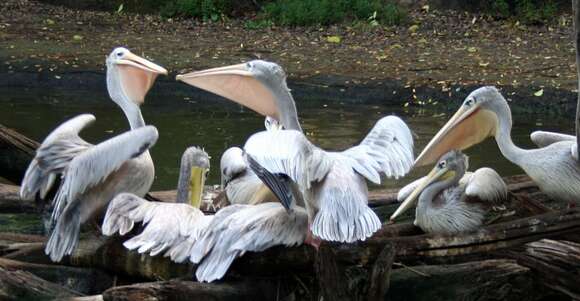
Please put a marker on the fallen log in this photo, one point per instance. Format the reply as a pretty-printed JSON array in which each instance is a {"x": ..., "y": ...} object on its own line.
[
  {"x": 187, "y": 290},
  {"x": 21, "y": 285},
  {"x": 478, "y": 280},
  {"x": 555, "y": 263},
  {"x": 82, "y": 280},
  {"x": 16, "y": 152},
  {"x": 109, "y": 254}
]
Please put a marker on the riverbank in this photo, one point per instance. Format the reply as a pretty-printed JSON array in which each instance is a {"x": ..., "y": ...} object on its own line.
[{"x": 438, "y": 57}]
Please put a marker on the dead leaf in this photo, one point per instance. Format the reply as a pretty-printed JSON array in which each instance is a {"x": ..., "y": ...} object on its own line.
[
  {"x": 333, "y": 39},
  {"x": 539, "y": 93}
]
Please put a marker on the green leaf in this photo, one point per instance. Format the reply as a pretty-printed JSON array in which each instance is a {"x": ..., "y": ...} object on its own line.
[
  {"x": 539, "y": 93},
  {"x": 120, "y": 9}
]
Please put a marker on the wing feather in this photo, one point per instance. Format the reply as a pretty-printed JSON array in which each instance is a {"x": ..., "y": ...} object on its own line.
[
  {"x": 543, "y": 138},
  {"x": 387, "y": 149},
  {"x": 54, "y": 155},
  {"x": 95, "y": 164},
  {"x": 486, "y": 184},
  {"x": 289, "y": 152}
]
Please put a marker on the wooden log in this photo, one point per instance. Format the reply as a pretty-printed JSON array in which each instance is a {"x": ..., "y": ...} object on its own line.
[
  {"x": 479, "y": 280},
  {"x": 82, "y": 280},
  {"x": 16, "y": 152},
  {"x": 21, "y": 285},
  {"x": 177, "y": 290},
  {"x": 555, "y": 263},
  {"x": 340, "y": 281}
]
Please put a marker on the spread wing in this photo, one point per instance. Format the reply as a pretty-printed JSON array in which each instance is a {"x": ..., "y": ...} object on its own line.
[
  {"x": 167, "y": 224},
  {"x": 486, "y": 184},
  {"x": 54, "y": 155},
  {"x": 387, "y": 149},
  {"x": 95, "y": 164},
  {"x": 289, "y": 152},
  {"x": 248, "y": 228}
]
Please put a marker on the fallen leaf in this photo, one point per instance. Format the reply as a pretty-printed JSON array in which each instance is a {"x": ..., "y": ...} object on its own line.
[
  {"x": 539, "y": 93},
  {"x": 77, "y": 37},
  {"x": 472, "y": 49},
  {"x": 333, "y": 39},
  {"x": 413, "y": 28}
]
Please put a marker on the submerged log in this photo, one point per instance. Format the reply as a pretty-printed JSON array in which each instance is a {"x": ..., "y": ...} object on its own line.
[
  {"x": 21, "y": 285},
  {"x": 16, "y": 152}
]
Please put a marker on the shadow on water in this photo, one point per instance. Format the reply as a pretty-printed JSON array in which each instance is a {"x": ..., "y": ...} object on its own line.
[{"x": 216, "y": 125}]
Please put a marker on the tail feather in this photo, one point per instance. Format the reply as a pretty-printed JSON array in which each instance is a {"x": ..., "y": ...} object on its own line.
[
  {"x": 64, "y": 237},
  {"x": 343, "y": 220}
]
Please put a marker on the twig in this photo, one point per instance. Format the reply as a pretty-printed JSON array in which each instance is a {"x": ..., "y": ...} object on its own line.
[{"x": 400, "y": 264}]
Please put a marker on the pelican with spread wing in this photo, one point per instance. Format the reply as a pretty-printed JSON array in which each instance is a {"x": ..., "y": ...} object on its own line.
[
  {"x": 173, "y": 226},
  {"x": 554, "y": 166},
  {"x": 332, "y": 183},
  {"x": 449, "y": 199},
  {"x": 93, "y": 174}
]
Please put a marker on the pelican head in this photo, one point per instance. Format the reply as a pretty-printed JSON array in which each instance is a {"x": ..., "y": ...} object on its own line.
[
  {"x": 232, "y": 164},
  {"x": 129, "y": 76},
  {"x": 258, "y": 85},
  {"x": 192, "y": 174},
  {"x": 451, "y": 166},
  {"x": 478, "y": 118}
]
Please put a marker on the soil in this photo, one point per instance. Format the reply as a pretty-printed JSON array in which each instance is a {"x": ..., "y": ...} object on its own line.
[{"x": 438, "y": 49}]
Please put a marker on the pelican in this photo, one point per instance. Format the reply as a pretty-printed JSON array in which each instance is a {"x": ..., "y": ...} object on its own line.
[
  {"x": 240, "y": 183},
  {"x": 332, "y": 183},
  {"x": 167, "y": 225},
  {"x": 450, "y": 200},
  {"x": 553, "y": 167},
  {"x": 240, "y": 228},
  {"x": 93, "y": 174},
  {"x": 185, "y": 233}
]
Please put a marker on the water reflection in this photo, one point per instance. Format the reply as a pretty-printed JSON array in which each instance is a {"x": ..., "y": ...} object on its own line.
[{"x": 218, "y": 125}]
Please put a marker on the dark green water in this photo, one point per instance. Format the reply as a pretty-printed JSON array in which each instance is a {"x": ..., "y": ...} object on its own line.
[{"x": 217, "y": 125}]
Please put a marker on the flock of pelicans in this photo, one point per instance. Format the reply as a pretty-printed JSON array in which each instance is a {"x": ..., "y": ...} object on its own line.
[{"x": 283, "y": 189}]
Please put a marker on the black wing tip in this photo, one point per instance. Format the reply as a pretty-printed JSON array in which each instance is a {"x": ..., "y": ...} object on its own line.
[{"x": 278, "y": 183}]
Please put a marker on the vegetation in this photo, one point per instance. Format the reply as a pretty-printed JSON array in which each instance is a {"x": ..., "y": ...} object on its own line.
[
  {"x": 313, "y": 12},
  {"x": 525, "y": 11}
]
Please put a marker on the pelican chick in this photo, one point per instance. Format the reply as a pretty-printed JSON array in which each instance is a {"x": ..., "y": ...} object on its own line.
[
  {"x": 93, "y": 174},
  {"x": 449, "y": 199}
]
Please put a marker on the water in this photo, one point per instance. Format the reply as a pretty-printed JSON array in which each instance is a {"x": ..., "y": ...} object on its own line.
[{"x": 217, "y": 125}]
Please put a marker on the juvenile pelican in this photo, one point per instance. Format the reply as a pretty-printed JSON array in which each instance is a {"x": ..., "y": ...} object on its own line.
[
  {"x": 332, "y": 183},
  {"x": 553, "y": 167},
  {"x": 168, "y": 225},
  {"x": 94, "y": 174},
  {"x": 451, "y": 200}
]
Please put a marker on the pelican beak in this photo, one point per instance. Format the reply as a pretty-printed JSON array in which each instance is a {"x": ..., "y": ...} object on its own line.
[
  {"x": 131, "y": 59},
  {"x": 137, "y": 76},
  {"x": 196, "y": 184},
  {"x": 433, "y": 176},
  {"x": 236, "y": 83},
  {"x": 468, "y": 126}
]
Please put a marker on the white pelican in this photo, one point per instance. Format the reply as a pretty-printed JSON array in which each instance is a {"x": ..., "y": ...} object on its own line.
[
  {"x": 332, "y": 182},
  {"x": 94, "y": 174},
  {"x": 167, "y": 225},
  {"x": 553, "y": 167},
  {"x": 451, "y": 200},
  {"x": 216, "y": 240},
  {"x": 240, "y": 228}
]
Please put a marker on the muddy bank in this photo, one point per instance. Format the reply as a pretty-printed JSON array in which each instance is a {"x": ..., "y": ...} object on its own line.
[{"x": 334, "y": 88}]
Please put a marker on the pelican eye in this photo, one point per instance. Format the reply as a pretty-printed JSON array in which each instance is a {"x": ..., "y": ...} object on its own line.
[
  {"x": 249, "y": 65},
  {"x": 442, "y": 164},
  {"x": 120, "y": 53}
]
